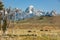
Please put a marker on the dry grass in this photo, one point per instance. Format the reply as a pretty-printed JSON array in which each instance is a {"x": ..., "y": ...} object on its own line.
[{"x": 47, "y": 28}]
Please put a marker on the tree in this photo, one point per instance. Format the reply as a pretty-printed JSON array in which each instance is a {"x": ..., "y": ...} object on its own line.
[
  {"x": 1, "y": 18},
  {"x": 1, "y": 8},
  {"x": 1, "y": 5},
  {"x": 4, "y": 25}
]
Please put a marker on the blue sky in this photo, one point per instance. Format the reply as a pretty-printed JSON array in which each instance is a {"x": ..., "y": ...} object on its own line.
[{"x": 46, "y": 5}]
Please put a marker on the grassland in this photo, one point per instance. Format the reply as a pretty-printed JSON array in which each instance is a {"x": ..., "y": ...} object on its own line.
[{"x": 36, "y": 28}]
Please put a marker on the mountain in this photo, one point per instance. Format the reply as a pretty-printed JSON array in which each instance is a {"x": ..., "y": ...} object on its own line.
[
  {"x": 52, "y": 13},
  {"x": 40, "y": 13},
  {"x": 18, "y": 14},
  {"x": 30, "y": 9}
]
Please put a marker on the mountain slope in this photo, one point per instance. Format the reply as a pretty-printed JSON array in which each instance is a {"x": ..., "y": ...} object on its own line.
[{"x": 38, "y": 23}]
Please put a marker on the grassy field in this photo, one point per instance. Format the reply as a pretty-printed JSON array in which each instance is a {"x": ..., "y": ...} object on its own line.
[
  {"x": 30, "y": 37},
  {"x": 36, "y": 28},
  {"x": 37, "y": 23}
]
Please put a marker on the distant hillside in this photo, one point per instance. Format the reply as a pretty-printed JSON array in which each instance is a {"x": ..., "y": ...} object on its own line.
[
  {"x": 45, "y": 19},
  {"x": 38, "y": 22}
]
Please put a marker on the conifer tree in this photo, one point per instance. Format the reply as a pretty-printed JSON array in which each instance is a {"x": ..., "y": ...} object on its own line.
[
  {"x": 1, "y": 8},
  {"x": 1, "y": 5},
  {"x": 4, "y": 20}
]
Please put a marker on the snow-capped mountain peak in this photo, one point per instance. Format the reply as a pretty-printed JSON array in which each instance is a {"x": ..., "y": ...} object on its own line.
[{"x": 30, "y": 9}]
